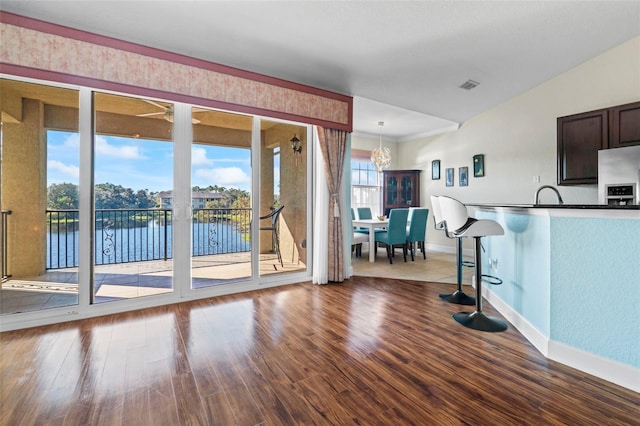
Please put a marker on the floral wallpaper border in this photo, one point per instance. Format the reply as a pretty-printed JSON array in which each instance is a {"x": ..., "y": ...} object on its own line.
[{"x": 103, "y": 59}]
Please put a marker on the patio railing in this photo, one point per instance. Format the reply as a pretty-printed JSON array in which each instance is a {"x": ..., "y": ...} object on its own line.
[{"x": 136, "y": 235}]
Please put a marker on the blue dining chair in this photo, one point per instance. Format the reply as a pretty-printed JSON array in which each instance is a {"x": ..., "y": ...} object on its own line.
[
  {"x": 396, "y": 233},
  {"x": 365, "y": 213},
  {"x": 358, "y": 229},
  {"x": 417, "y": 229}
]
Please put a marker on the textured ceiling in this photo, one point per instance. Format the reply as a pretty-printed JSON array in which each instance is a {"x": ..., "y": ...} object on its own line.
[{"x": 391, "y": 55}]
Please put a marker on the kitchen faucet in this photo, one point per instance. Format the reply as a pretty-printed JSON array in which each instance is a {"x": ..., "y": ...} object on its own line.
[{"x": 551, "y": 188}]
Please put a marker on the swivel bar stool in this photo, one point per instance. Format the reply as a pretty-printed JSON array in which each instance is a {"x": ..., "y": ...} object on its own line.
[
  {"x": 456, "y": 217},
  {"x": 458, "y": 297}
]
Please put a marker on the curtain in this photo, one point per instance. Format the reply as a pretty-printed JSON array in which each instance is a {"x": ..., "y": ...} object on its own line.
[
  {"x": 321, "y": 216},
  {"x": 333, "y": 144}
]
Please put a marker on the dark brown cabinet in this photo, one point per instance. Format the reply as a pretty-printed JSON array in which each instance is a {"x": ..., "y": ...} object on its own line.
[
  {"x": 624, "y": 125},
  {"x": 580, "y": 136},
  {"x": 401, "y": 189}
]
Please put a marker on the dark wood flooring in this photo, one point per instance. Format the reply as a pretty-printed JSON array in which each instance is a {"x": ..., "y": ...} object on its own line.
[{"x": 367, "y": 352}]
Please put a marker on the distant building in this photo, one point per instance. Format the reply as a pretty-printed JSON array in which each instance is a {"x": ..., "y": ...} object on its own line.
[{"x": 199, "y": 199}]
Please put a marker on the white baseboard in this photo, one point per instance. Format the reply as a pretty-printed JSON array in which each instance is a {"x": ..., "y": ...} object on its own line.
[
  {"x": 449, "y": 249},
  {"x": 604, "y": 368},
  {"x": 612, "y": 371},
  {"x": 440, "y": 248},
  {"x": 532, "y": 334}
]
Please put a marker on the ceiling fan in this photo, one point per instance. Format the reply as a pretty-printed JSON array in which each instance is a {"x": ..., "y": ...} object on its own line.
[{"x": 167, "y": 112}]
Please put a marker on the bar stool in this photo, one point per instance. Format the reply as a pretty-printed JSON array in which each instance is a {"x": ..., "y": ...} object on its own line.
[
  {"x": 459, "y": 296},
  {"x": 456, "y": 217}
]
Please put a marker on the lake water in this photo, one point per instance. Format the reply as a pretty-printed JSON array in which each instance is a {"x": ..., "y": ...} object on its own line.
[{"x": 121, "y": 245}]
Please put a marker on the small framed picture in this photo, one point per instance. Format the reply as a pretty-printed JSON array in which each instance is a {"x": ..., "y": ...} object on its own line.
[
  {"x": 449, "y": 177},
  {"x": 435, "y": 170},
  {"x": 464, "y": 176},
  {"x": 478, "y": 165}
]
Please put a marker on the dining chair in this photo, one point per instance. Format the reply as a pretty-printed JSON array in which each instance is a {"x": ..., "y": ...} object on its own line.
[
  {"x": 356, "y": 243},
  {"x": 365, "y": 213},
  {"x": 358, "y": 229},
  {"x": 396, "y": 233},
  {"x": 416, "y": 230}
]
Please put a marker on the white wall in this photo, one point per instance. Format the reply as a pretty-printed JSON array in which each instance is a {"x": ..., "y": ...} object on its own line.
[{"x": 518, "y": 137}]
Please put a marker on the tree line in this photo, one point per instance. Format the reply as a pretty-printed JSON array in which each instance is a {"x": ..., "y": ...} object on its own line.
[{"x": 64, "y": 196}]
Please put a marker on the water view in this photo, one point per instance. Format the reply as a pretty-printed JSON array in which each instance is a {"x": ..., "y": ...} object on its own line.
[{"x": 122, "y": 243}]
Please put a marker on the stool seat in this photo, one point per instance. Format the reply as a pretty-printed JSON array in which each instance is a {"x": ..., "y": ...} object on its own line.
[
  {"x": 455, "y": 216},
  {"x": 479, "y": 228},
  {"x": 458, "y": 297}
]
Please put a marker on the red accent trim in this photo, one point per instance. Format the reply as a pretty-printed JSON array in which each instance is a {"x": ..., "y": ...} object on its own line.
[
  {"x": 72, "y": 33},
  {"x": 125, "y": 89}
]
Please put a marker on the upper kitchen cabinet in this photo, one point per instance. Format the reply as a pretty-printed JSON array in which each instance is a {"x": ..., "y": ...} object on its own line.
[
  {"x": 580, "y": 137},
  {"x": 624, "y": 125},
  {"x": 401, "y": 189}
]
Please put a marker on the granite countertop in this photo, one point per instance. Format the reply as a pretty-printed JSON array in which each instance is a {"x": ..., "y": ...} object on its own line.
[{"x": 561, "y": 206}]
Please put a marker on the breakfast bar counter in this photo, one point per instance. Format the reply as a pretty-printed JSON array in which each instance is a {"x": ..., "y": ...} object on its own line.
[{"x": 571, "y": 282}]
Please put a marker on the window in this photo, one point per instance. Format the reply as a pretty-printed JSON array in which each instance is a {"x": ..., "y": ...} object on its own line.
[{"x": 365, "y": 188}]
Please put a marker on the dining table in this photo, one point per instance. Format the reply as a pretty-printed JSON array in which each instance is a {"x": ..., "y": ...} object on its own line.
[{"x": 371, "y": 225}]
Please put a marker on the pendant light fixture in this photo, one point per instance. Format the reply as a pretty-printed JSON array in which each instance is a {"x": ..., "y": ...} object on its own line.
[{"x": 381, "y": 156}]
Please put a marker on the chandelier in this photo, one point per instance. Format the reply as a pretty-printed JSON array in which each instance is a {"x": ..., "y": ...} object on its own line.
[{"x": 381, "y": 156}]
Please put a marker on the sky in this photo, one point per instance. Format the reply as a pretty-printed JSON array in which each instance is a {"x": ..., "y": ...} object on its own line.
[{"x": 146, "y": 164}]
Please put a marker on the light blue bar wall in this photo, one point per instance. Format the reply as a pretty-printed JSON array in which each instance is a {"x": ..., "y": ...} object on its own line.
[
  {"x": 523, "y": 265},
  {"x": 595, "y": 293},
  {"x": 576, "y": 280}
]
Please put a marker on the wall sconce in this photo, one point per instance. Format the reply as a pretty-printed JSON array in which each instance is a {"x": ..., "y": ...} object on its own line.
[{"x": 296, "y": 146}]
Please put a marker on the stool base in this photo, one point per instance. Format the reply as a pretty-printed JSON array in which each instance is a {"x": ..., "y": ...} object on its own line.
[
  {"x": 479, "y": 321},
  {"x": 458, "y": 297}
]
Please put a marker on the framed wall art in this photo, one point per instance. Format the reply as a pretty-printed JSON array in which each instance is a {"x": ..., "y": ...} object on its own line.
[
  {"x": 449, "y": 177},
  {"x": 435, "y": 170},
  {"x": 478, "y": 165},
  {"x": 464, "y": 176}
]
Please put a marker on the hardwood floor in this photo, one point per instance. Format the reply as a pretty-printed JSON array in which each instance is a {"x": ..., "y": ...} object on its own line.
[{"x": 370, "y": 351}]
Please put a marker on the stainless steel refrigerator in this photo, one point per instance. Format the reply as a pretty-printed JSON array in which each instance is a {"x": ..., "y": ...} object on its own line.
[{"x": 619, "y": 175}]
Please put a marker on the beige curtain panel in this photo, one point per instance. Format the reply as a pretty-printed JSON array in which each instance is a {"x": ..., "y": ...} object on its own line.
[{"x": 333, "y": 145}]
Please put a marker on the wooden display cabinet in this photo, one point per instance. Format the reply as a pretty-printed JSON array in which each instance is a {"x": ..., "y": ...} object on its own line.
[{"x": 400, "y": 189}]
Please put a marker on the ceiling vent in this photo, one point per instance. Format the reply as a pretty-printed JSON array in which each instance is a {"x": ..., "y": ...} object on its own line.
[{"x": 468, "y": 85}]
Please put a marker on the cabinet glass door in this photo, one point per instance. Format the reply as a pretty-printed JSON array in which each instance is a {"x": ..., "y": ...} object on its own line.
[
  {"x": 406, "y": 191},
  {"x": 392, "y": 190}
]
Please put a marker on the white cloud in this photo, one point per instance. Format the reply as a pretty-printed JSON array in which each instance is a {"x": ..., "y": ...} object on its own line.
[
  {"x": 199, "y": 157},
  {"x": 65, "y": 169},
  {"x": 72, "y": 141},
  {"x": 128, "y": 152},
  {"x": 224, "y": 176}
]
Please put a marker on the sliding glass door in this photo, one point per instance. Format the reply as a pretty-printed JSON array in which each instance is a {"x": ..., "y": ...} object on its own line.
[
  {"x": 39, "y": 222},
  {"x": 220, "y": 198},
  {"x": 133, "y": 197},
  {"x": 283, "y": 197},
  {"x": 109, "y": 198}
]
